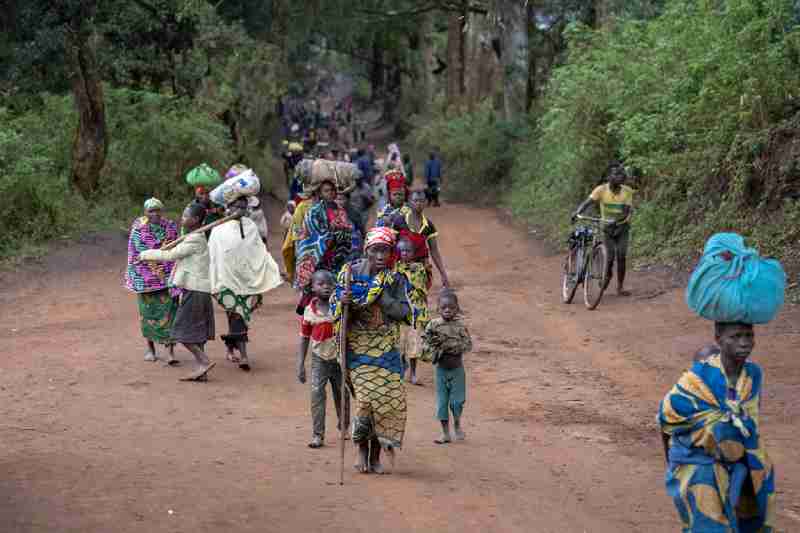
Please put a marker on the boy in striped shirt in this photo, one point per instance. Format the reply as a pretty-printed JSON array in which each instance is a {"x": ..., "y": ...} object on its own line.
[{"x": 316, "y": 332}]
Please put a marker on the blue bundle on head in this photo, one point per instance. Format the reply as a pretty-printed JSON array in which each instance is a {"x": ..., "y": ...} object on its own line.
[{"x": 732, "y": 283}]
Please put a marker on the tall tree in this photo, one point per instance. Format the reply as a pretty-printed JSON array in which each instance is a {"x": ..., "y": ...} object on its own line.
[
  {"x": 512, "y": 22},
  {"x": 90, "y": 146}
]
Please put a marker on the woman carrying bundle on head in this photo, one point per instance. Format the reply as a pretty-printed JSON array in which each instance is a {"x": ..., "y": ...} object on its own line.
[
  {"x": 150, "y": 280},
  {"x": 241, "y": 268},
  {"x": 325, "y": 240},
  {"x": 718, "y": 473}
]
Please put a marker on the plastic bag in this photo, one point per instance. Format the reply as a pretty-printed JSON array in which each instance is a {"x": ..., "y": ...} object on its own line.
[
  {"x": 732, "y": 283},
  {"x": 244, "y": 184},
  {"x": 203, "y": 175}
]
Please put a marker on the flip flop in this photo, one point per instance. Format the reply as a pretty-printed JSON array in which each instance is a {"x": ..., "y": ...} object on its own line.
[
  {"x": 201, "y": 374},
  {"x": 172, "y": 362},
  {"x": 233, "y": 358},
  {"x": 442, "y": 441},
  {"x": 245, "y": 365}
]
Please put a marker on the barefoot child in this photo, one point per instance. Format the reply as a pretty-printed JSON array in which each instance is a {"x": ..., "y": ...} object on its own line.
[
  {"x": 444, "y": 343},
  {"x": 417, "y": 275},
  {"x": 316, "y": 330},
  {"x": 194, "y": 320}
]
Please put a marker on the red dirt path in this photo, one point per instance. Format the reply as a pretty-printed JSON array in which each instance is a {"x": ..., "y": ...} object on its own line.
[{"x": 559, "y": 419}]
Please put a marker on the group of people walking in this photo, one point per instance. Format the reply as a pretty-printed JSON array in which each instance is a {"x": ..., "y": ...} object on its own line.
[
  {"x": 177, "y": 279},
  {"x": 375, "y": 266},
  {"x": 338, "y": 253},
  {"x": 382, "y": 273}
]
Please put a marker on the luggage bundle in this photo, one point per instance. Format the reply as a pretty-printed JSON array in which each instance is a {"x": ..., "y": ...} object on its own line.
[
  {"x": 313, "y": 172},
  {"x": 732, "y": 283},
  {"x": 203, "y": 175},
  {"x": 244, "y": 183}
]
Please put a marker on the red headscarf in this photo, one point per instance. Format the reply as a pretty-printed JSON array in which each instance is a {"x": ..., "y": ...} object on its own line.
[
  {"x": 395, "y": 181},
  {"x": 381, "y": 235}
]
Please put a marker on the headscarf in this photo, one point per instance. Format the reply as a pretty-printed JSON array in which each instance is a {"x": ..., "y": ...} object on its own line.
[
  {"x": 395, "y": 181},
  {"x": 382, "y": 235},
  {"x": 153, "y": 203}
]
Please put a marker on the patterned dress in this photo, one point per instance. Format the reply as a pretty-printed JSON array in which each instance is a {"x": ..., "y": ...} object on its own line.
[
  {"x": 149, "y": 280},
  {"x": 373, "y": 359},
  {"x": 719, "y": 475},
  {"x": 419, "y": 280},
  {"x": 325, "y": 243}
]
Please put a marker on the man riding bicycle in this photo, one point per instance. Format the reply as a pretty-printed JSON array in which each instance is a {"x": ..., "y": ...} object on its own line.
[{"x": 616, "y": 205}]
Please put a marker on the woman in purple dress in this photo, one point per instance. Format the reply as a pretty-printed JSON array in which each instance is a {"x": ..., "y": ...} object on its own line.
[{"x": 149, "y": 280}]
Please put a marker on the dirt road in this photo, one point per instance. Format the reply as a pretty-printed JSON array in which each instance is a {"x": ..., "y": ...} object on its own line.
[{"x": 559, "y": 418}]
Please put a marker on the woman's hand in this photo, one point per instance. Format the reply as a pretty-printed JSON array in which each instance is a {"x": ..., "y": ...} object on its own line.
[{"x": 347, "y": 297}]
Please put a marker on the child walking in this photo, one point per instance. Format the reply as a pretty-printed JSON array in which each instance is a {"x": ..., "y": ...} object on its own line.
[
  {"x": 417, "y": 274},
  {"x": 194, "y": 320},
  {"x": 444, "y": 343},
  {"x": 316, "y": 331}
]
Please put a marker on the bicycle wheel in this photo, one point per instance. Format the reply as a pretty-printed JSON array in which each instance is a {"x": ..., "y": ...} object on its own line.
[
  {"x": 569, "y": 276},
  {"x": 594, "y": 282}
]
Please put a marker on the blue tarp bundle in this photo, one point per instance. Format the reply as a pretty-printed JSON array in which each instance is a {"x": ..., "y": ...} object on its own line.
[{"x": 732, "y": 283}]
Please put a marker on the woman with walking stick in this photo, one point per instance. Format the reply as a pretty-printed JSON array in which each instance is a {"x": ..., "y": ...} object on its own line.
[{"x": 377, "y": 304}]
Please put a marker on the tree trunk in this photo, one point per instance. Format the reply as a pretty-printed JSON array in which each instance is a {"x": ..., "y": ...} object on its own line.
[
  {"x": 513, "y": 29},
  {"x": 455, "y": 59},
  {"x": 90, "y": 147},
  {"x": 428, "y": 61},
  {"x": 377, "y": 74},
  {"x": 481, "y": 66}
]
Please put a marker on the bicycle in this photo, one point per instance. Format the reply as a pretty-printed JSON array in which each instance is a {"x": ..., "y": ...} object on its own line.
[{"x": 587, "y": 263}]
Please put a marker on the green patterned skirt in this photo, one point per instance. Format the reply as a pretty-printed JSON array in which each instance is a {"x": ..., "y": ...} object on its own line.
[
  {"x": 157, "y": 311},
  {"x": 244, "y": 306}
]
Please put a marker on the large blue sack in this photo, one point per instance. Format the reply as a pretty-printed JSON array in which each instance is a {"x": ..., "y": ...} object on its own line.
[{"x": 732, "y": 283}]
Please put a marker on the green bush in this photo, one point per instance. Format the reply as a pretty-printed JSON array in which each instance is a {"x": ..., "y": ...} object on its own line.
[{"x": 154, "y": 141}]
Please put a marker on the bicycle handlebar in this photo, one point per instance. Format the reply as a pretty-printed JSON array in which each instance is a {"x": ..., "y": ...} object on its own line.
[{"x": 594, "y": 219}]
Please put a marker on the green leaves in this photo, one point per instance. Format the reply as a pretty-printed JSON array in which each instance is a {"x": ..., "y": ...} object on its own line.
[{"x": 670, "y": 95}]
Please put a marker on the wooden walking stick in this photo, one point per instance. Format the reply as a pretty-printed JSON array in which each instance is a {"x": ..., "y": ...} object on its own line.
[
  {"x": 201, "y": 229},
  {"x": 343, "y": 423}
]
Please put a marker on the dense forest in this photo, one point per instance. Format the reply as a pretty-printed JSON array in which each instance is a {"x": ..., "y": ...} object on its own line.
[{"x": 107, "y": 102}]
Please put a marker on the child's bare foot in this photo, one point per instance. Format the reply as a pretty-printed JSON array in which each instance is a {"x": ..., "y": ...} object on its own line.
[
  {"x": 459, "y": 432},
  {"x": 445, "y": 438},
  {"x": 316, "y": 442}
]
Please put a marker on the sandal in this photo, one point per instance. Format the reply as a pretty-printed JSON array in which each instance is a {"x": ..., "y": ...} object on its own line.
[
  {"x": 244, "y": 364},
  {"x": 232, "y": 357},
  {"x": 201, "y": 374}
]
